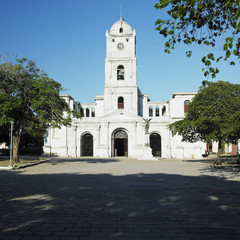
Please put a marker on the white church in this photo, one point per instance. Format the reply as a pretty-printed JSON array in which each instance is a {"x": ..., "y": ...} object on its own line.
[{"x": 123, "y": 122}]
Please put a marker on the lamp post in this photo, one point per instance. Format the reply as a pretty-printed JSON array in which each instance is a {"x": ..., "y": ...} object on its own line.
[{"x": 11, "y": 143}]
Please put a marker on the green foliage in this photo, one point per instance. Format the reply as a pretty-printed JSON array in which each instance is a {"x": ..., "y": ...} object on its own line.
[
  {"x": 30, "y": 99},
  {"x": 4, "y": 134},
  {"x": 205, "y": 23},
  {"x": 213, "y": 114}
]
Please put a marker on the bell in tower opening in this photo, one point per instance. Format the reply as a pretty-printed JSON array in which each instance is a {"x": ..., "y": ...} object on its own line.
[{"x": 120, "y": 72}]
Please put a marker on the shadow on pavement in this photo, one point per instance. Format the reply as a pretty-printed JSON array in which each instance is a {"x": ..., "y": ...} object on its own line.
[
  {"x": 198, "y": 160},
  {"x": 55, "y": 161},
  {"x": 103, "y": 206},
  {"x": 229, "y": 166},
  {"x": 222, "y": 171}
]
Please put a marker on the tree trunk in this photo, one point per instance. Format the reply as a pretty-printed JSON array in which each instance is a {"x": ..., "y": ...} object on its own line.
[
  {"x": 220, "y": 146},
  {"x": 16, "y": 141}
]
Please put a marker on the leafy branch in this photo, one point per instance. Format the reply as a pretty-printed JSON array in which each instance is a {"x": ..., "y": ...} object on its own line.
[{"x": 202, "y": 22}]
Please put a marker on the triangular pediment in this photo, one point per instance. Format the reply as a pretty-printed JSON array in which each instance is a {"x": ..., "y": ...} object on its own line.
[{"x": 121, "y": 116}]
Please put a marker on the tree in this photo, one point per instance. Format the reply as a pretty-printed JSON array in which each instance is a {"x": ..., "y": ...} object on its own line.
[
  {"x": 213, "y": 115},
  {"x": 4, "y": 135},
  {"x": 30, "y": 99},
  {"x": 209, "y": 23}
]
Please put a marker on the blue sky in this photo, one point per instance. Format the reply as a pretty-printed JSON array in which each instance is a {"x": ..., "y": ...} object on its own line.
[{"x": 67, "y": 39}]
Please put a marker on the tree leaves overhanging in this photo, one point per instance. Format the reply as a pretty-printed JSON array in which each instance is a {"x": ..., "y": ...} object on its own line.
[{"x": 210, "y": 23}]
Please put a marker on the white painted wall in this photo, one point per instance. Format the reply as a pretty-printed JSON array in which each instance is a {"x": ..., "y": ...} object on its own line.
[{"x": 108, "y": 118}]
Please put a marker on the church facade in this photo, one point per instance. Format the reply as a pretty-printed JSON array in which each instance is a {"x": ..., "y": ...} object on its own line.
[{"x": 123, "y": 121}]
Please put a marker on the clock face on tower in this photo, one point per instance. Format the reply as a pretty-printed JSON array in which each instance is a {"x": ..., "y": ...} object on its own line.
[{"x": 120, "y": 46}]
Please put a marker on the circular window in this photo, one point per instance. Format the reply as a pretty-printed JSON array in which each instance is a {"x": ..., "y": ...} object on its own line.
[{"x": 120, "y": 46}]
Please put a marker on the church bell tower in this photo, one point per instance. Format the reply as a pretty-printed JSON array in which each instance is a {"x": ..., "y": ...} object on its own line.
[{"x": 121, "y": 91}]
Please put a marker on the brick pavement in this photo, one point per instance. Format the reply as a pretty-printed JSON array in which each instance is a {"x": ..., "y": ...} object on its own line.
[{"x": 68, "y": 199}]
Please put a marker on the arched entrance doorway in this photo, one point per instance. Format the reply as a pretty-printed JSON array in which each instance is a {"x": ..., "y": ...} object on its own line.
[
  {"x": 120, "y": 144},
  {"x": 155, "y": 144},
  {"x": 87, "y": 145}
]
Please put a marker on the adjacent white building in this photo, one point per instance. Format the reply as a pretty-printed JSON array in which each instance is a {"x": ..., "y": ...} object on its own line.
[{"x": 123, "y": 121}]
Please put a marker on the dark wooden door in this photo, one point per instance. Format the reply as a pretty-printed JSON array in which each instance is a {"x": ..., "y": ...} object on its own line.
[
  {"x": 155, "y": 144},
  {"x": 87, "y": 145}
]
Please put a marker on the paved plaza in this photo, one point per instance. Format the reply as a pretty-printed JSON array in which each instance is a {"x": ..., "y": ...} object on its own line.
[{"x": 122, "y": 198}]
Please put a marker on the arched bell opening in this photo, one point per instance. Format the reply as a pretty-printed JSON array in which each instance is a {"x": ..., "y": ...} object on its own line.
[{"x": 120, "y": 72}]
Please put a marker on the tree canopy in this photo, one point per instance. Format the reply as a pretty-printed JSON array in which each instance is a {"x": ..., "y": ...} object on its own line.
[
  {"x": 213, "y": 115},
  {"x": 30, "y": 99},
  {"x": 210, "y": 23}
]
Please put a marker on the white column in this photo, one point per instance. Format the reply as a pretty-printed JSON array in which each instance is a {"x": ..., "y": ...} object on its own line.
[{"x": 75, "y": 130}]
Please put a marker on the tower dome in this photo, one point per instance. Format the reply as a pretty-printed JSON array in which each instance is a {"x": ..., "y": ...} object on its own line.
[{"x": 121, "y": 27}]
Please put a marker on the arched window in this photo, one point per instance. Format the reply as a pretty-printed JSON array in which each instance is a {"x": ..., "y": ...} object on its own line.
[
  {"x": 120, "y": 134},
  {"x": 157, "y": 111},
  {"x": 150, "y": 111},
  {"x": 93, "y": 112},
  {"x": 87, "y": 112},
  {"x": 164, "y": 111},
  {"x": 121, "y": 30},
  {"x": 186, "y": 103},
  {"x": 120, "y": 103},
  {"x": 120, "y": 72}
]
